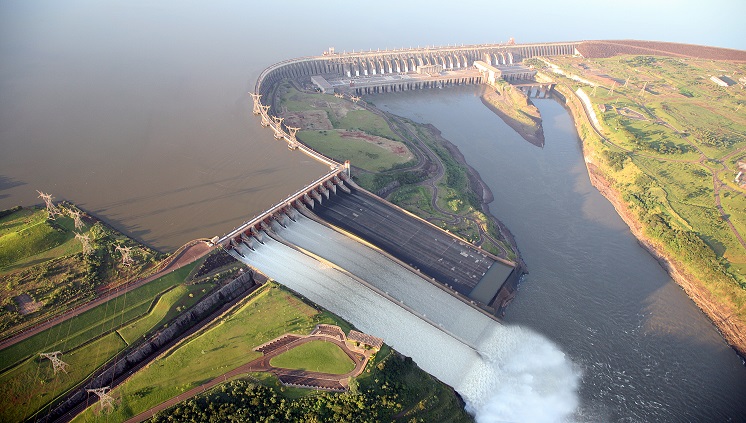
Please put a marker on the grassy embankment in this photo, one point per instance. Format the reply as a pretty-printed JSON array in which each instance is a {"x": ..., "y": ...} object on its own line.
[
  {"x": 342, "y": 130},
  {"x": 457, "y": 208},
  {"x": 315, "y": 356},
  {"x": 229, "y": 342},
  {"x": 27, "y": 383},
  {"x": 669, "y": 158},
  {"x": 44, "y": 270}
]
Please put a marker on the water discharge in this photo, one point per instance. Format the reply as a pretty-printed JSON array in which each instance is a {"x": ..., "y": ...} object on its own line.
[{"x": 504, "y": 373}]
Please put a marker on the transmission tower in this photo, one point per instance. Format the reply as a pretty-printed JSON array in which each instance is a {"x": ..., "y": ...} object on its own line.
[
  {"x": 57, "y": 364},
  {"x": 626, "y": 82},
  {"x": 75, "y": 214},
  {"x": 52, "y": 210},
  {"x": 293, "y": 142},
  {"x": 85, "y": 240},
  {"x": 265, "y": 115},
  {"x": 642, "y": 91},
  {"x": 257, "y": 103},
  {"x": 339, "y": 95},
  {"x": 125, "y": 252},
  {"x": 105, "y": 399},
  {"x": 593, "y": 91},
  {"x": 611, "y": 90},
  {"x": 279, "y": 133},
  {"x": 355, "y": 99}
]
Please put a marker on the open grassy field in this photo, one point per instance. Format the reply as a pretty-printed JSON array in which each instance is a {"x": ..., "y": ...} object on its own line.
[
  {"x": 87, "y": 342},
  {"x": 315, "y": 356},
  {"x": 266, "y": 314},
  {"x": 27, "y": 233},
  {"x": 364, "y": 154}
]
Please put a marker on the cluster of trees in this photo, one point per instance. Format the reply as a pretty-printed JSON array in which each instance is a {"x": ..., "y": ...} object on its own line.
[
  {"x": 638, "y": 61},
  {"x": 615, "y": 159},
  {"x": 715, "y": 139}
]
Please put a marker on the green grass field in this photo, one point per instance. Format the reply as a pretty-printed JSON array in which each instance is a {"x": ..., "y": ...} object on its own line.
[
  {"x": 368, "y": 122},
  {"x": 268, "y": 313},
  {"x": 88, "y": 341},
  {"x": 315, "y": 356},
  {"x": 362, "y": 153},
  {"x": 28, "y": 387},
  {"x": 26, "y": 235}
]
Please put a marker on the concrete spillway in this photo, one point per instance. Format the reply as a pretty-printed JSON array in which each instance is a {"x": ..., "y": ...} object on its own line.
[
  {"x": 492, "y": 366},
  {"x": 426, "y": 298}
]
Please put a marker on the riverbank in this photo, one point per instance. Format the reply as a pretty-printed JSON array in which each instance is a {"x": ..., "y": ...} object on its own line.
[
  {"x": 517, "y": 111},
  {"x": 723, "y": 313}
]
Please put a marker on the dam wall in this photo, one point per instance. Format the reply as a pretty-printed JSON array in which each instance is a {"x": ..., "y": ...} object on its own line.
[{"x": 405, "y": 61}]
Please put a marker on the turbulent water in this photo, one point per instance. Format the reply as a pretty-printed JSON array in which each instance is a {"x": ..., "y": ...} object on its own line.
[{"x": 504, "y": 373}]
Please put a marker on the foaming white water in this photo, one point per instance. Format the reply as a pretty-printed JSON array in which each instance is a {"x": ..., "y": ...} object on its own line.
[
  {"x": 507, "y": 374},
  {"x": 522, "y": 377}
]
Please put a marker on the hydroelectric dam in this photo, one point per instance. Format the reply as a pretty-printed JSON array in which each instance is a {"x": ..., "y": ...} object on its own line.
[{"x": 428, "y": 293}]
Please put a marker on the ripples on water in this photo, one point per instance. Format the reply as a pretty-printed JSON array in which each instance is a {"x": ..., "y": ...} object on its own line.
[{"x": 504, "y": 373}]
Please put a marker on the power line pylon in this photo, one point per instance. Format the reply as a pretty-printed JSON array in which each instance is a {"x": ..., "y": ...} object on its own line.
[
  {"x": 57, "y": 364},
  {"x": 52, "y": 210},
  {"x": 257, "y": 103},
  {"x": 85, "y": 240},
  {"x": 355, "y": 99},
  {"x": 642, "y": 91},
  {"x": 265, "y": 115},
  {"x": 105, "y": 399},
  {"x": 125, "y": 252},
  {"x": 611, "y": 90},
  {"x": 293, "y": 142},
  {"x": 279, "y": 133},
  {"x": 593, "y": 91},
  {"x": 75, "y": 214}
]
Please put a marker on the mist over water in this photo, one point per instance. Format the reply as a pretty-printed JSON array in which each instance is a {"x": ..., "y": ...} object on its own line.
[{"x": 504, "y": 373}]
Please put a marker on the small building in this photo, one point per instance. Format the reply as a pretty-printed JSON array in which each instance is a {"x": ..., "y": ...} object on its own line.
[
  {"x": 365, "y": 339},
  {"x": 429, "y": 69},
  {"x": 723, "y": 82},
  {"x": 322, "y": 84}
]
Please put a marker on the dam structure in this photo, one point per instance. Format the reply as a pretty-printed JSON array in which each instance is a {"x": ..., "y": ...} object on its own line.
[
  {"x": 348, "y": 215},
  {"x": 380, "y": 71}
]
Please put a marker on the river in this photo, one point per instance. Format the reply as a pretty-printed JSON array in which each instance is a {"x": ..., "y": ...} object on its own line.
[
  {"x": 646, "y": 351},
  {"x": 137, "y": 111}
]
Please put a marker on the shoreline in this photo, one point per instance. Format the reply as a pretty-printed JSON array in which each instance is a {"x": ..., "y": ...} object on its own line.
[
  {"x": 733, "y": 333},
  {"x": 533, "y": 134}
]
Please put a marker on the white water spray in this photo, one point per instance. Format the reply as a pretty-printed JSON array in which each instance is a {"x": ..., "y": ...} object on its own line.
[{"x": 523, "y": 377}]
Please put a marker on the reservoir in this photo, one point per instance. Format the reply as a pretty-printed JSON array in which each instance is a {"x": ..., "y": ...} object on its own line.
[
  {"x": 646, "y": 351},
  {"x": 138, "y": 111}
]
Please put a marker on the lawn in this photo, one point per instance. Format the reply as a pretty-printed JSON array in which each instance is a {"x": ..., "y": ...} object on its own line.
[
  {"x": 266, "y": 314},
  {"x": 361, "y": 153},
  {"x": 26, "y": 388},
  {"x": 366, "y": 121},
  {"x": 26, "y": 234},
  {"x": 315, "y": 356}
]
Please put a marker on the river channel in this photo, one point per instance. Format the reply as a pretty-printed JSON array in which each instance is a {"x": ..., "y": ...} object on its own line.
[{"x": 645, "y": 350}]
